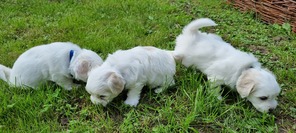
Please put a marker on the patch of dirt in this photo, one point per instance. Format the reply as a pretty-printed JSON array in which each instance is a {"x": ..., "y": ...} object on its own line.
[
  {"x": 64, "y": 121},
  {"x": 212, "y": 30},
  {"x": 286, "y": 124},
  {"x": 274, "y": 58},
  {"x": 263, "y": 50},
  {"x": 278, "y": 39}
]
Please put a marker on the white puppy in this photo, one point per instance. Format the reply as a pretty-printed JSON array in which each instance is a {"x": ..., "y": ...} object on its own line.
[
  {"x": 223, "y": 64},
  {"x": 59, "y": 62},
  {"x": 131, "y": 69}
]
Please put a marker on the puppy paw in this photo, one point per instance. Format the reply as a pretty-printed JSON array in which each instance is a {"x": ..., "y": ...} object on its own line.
[
  {"x": 219, "y": 97},
  {"x": 68, "y": 88},
  {"x": 131, "y": 102},
  {"x": 158, "y": 90},
  {"x": 76, "y": 85}
]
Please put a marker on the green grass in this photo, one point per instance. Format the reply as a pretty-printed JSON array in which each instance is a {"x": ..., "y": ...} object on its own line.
[{"x": 105, "y": 26}]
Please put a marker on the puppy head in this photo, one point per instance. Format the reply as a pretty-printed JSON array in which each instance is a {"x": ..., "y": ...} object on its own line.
[
  {"x": 104, "y": 86},
  {"x": 260, "y": 87},
  {"x": 85, "y": 61}
]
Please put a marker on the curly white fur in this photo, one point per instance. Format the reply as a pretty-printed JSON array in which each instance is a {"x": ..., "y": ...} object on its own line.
[
  {"x": 131, "y": 69},
  {"x": 223, "y": 64},
  {"x": 51, "y": 62}
]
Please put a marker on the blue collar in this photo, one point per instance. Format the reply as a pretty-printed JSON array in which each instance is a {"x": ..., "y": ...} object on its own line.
[{"x": 71, "y": 55}]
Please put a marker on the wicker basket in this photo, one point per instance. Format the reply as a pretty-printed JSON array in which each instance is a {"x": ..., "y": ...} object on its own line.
[{"x": 270, "y": 11}]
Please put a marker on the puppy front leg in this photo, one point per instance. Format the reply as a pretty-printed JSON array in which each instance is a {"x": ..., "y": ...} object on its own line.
[
  {"x": 217, "y": 90},
  {"x": 216, "y": 86},
  {"x": 133, "y": 95},
  {"x": 165, "y": 85},
  {"x": 65, "y": 82}
]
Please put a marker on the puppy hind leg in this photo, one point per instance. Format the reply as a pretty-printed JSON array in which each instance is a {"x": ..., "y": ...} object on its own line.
[
  {"x": 25, "y": 81},
  {"x": 4, "y": 73},
  {"x": 133, "y": 95},
  {"x": 165, "y": 85}
]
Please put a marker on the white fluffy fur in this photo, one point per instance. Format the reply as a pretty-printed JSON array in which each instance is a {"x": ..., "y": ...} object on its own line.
[
  {"x": 51, "y": 62},
  {"x": 131, "y": 69},
  {"x": 223, "y": 64}
]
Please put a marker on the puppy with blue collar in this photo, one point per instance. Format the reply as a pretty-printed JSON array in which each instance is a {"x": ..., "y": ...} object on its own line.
[{"x": 59, "y": 62}]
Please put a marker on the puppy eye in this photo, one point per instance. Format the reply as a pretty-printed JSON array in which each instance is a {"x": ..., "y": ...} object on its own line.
[{"x": 263, "y": 98}]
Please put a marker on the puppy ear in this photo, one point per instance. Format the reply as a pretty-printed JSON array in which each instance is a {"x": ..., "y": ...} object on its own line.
[
  {"x": 245, "y": 84},
  {"x": 116, "y": 83},
  {"x": 83, "y": 67}
]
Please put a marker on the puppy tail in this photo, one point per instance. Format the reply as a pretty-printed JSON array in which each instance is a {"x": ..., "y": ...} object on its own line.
[
  {"x": 4, "y": 73},
  {"x": 195, "y": 25}
]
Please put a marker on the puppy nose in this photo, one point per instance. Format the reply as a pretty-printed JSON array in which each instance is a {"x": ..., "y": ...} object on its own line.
[{"x": 270, "y": 110}]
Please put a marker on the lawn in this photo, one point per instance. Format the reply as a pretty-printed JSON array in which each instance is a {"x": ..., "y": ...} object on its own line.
[{"x": 105, "y": 26}]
